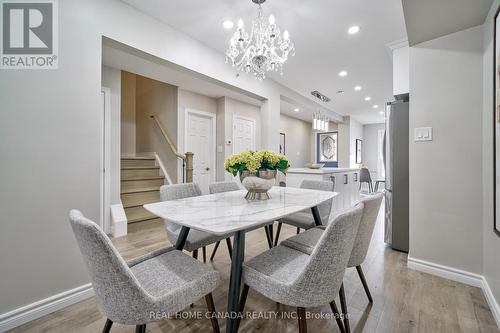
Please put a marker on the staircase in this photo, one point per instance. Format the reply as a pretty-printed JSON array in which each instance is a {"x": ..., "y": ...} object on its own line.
[{"x": 140, "y": 184}]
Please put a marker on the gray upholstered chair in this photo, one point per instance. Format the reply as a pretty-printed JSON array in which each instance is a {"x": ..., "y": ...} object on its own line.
[
  {"x": 304, "y": 219},
  {"x": 220, "y": 187},
  {"x": 294, "y": 278},
  {"x": 196, "y": 239},
  {"x": 306, "y": 241},
  {"x": 164, "y": 281},
  {"x": 365, "y": 177}
]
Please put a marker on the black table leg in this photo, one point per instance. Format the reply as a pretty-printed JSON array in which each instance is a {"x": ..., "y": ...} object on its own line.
[
  {"x": 317, "y": 217},
  {"x": 181, "y": 240},
  {"x": 269, "y": 236},
  {"x": 235, "y": 282}
]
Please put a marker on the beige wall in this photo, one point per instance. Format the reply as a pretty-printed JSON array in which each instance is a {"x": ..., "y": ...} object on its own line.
[
  {"x": 370, "y": 145},
  {"x": 128, "y": 87},
  {"x": 298, "y": 136},
  {"x": 156, "y": 98}
]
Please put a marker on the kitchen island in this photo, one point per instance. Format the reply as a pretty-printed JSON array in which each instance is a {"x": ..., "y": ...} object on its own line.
[{"x": 346, "y": 182}]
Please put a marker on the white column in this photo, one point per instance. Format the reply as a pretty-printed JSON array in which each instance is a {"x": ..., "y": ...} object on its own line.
[{"x": 270, "y": 120}]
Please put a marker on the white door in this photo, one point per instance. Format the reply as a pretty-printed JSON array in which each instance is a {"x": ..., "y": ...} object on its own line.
[
  {"x": 243, "y": 134},
  {"x": 200, "y": 140}
]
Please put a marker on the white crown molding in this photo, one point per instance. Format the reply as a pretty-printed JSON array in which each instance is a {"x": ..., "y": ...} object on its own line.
[
  {"x": 38, "y": 309},
  {"x": 465, "y": 277},
  {"x": 397, "y": 44}
]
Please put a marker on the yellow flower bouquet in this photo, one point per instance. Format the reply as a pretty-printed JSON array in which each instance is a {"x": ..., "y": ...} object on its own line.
[
  {"x": 251, "y": 161},
  {"x": 257, "y": 171}
]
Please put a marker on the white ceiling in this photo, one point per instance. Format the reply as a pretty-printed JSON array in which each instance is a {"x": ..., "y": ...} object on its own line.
[
  {"x": 429, "y": 19},
  {"x": 323, "y": 46}
]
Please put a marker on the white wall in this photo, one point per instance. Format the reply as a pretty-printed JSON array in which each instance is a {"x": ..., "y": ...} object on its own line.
[
  {"x": 111, "y": 78},
  {"x": 370, "y": 145},
  {"x": 355, "y": 132},
  {"x": 401, "y": 70},
  {"x": 297, "y": 140},
  {"x": 446, "y": 94},
  {"x": 491, "y": 242}
]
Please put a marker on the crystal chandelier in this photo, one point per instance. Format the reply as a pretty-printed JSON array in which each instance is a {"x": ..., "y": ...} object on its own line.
[
  {"x": 264, "y": 49},
  {"x": 320, "y": 122}
]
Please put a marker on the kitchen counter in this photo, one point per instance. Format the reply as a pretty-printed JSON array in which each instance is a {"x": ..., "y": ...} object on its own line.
[
  {"x": 321, "y": 171},
  {"x": 346, "y": 182}
]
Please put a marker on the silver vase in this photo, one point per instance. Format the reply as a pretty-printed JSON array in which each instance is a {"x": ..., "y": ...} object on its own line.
[{"x": 258, "y": 183}]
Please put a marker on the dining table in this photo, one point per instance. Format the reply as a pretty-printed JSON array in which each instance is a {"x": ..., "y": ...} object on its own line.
[{"x": 230, "y": 213}]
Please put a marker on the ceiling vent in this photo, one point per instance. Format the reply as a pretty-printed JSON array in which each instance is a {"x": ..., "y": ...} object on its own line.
[{"x": 320, "y": 96}]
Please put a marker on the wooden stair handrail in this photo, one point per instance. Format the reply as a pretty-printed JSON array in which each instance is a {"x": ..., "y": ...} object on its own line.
[
  {"x": 165, "y": 135},
  {"x": 187, "y": 159}
]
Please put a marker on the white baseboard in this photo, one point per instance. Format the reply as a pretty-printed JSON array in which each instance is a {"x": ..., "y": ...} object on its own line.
[
  {"x": 43, "y": 307},
  {"x": 450, "y": 273},
  {"x": 492, "y": 302},
  {"x": 465, "y": 277}
]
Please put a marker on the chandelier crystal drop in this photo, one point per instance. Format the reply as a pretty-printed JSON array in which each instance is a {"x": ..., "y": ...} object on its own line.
[{"x": 262, "y": 50}]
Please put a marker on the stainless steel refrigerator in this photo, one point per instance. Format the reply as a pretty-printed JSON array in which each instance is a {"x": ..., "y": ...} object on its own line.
[{"x": 396, "y": 161}]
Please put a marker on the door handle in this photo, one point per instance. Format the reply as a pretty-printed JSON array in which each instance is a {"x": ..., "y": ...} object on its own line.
[{"x": 208, "y": 169}]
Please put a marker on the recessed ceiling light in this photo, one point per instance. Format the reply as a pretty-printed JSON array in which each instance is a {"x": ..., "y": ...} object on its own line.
[
  {"x": 375, "y": 106},
  {"x": 228, "y": 24},
  {"x": 353, "y": 30},
  {"x": 367, "y": 98},
  {"x": 357, "y": 88},
  {"x": 296, "y": 109},
  {"x": 343, "y": 73},
  {"x": 381, "y": 112}
]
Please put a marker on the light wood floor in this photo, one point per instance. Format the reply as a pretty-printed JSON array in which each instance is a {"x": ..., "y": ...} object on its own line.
[{"x": 404, "y": 300}]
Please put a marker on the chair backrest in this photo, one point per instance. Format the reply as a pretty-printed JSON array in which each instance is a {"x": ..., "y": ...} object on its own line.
[
  {"x": 117, "y": 290},
  {"x": 321, "y": 185},
  {"x": 364, "y": 175},
  {"x": 179, "y": 191},
  {"x": 220, "y": 187},
  {"x": 320, "y": 281},
  {"x": 174, "y": 192},
  {"x": 367, "y": 225}
]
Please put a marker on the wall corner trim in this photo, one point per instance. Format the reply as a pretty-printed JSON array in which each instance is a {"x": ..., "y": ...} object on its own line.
[
  {"x": 43, "y": 307},
  {"x": 465, "y": 277}
]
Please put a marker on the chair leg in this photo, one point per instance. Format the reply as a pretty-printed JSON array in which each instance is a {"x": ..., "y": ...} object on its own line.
[
  {"x": 243, "y": 300},
  {"x": 278, "y": 231},
  {"x": 214, "y": 251},
  {"x": 107, "y": 326},
  {"x": 363, "y": 281},
  {"x": 343, "y": 305},
  {"x": 298, "y": 231},
  {"x": 140, "y": 328},
  {"x": 229, "y": 247},
  {"x": 301, "y": 312},
  {"x": 195, "y": 255},
  {"x": 337, "y": 315},
  {"x": 204, "y": 250},
  {"x": 268, "y": 237},
  {"x": 211, "y": 308}
]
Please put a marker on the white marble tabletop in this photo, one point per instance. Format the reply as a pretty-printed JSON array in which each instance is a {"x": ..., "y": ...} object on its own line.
[
  {"x": 228, "y": 212},
  {"x": 321, "y": 171}
]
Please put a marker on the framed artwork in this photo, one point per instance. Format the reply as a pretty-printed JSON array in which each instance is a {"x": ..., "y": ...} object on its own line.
[
  {"x": 359, "y": 151},
  {"x": 496, "y": 124},
  {"x": 282, "y": 143},
  {"x": 327, "y": 149}
]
